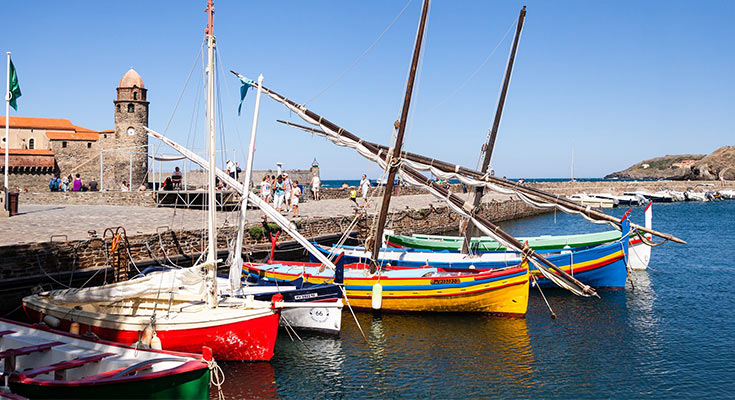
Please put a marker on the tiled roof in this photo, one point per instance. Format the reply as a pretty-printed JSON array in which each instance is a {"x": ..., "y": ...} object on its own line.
[
  {"x": 108, "y": 131},
  {"x": 37, "y": 152},
  {"x": 41, "y": 123},
  {"x": 93, "y": 136},
  {"x": 29, "y": 158}
]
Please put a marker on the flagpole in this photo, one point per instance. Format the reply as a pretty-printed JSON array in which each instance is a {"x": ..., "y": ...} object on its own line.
[{"x": 7, "y": 127}]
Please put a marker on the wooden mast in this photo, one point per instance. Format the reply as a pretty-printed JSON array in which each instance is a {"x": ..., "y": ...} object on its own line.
[
  {"x": 490, "y": 145},
  {"x": 212, "y": 224},
  {"x": 393, "y": 168}
]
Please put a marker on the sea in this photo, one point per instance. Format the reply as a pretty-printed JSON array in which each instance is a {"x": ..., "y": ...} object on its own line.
[
  {"x": 335, "y": 183},
  {"x": 669, "y": 334}
]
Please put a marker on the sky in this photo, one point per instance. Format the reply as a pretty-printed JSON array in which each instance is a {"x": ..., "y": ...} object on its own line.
[{"x": 612, "y": 82}]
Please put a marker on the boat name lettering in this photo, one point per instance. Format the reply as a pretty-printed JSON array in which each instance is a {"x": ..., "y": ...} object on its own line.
[
  {"x": 444, "y": 281},
  {"x": 305, "y": 296}
]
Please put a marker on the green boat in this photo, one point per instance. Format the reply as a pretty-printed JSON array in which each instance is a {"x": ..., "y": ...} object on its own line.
[
  {"x": 484, "y": 243},
  {"x": 41, "y": 363}
]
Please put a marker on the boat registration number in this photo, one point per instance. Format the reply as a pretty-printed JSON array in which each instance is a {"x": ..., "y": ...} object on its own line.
[{"x": 444, "y": 281}]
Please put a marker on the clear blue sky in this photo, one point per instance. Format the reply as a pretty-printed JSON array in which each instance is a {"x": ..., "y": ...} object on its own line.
[{"x": 616, "y": 81}]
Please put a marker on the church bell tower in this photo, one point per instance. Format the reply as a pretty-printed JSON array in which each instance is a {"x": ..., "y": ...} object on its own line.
[{"x": 131, "y": 116}]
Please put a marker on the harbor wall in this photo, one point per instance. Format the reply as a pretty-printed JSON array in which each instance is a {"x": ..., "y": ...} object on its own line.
[{"x": 54, "y": 264}]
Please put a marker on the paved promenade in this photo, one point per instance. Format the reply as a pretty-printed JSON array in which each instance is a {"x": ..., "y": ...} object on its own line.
[{"x": 37, "y": 223}]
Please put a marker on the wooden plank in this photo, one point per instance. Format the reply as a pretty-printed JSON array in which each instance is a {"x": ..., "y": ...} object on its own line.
[
  {"x": 29, "y": 349},
  {"x": 64, "y": 365}
]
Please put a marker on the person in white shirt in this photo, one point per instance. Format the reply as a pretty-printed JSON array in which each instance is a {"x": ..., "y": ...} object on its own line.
[
  {"x": 315, "y": 183},
  {"x": 364, "y": 187},
  {"x": 231, "y": 168},
  {"x": 295, "y": 194},
  {"x": 265, "y": 189},
  {"x": 287, "y": 186}
]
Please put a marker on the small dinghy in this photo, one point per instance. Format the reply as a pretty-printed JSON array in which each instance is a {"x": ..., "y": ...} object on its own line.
[{"x": 40, "y": 363}]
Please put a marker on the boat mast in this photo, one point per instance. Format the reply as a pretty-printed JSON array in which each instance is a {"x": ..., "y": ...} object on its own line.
[
  {"x": 212, "y": 237},
  {"x": 236, "y": 267},
  {"x": 393, "y": 168},
  {"x": 490, "y": 145}
]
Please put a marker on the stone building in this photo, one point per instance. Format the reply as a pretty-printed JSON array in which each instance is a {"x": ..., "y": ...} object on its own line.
[{"x": 42, "y": 147}]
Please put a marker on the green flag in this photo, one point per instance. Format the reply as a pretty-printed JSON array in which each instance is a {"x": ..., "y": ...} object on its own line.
[{"x": 14, "y": 91}]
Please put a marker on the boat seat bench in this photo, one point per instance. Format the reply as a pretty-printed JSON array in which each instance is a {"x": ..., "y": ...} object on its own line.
[
  {"x": 10, "y": 354},
  {"x": 60, "y": 368}
]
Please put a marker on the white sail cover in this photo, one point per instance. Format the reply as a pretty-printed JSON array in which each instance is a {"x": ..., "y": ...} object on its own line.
[{"x": 191, "y": 278}]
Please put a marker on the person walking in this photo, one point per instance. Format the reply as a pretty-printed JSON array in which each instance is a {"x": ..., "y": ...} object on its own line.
[
  {"x": 365, "y": 187},
  {"x": 295, "y": 195},
  {"x": 287, "y": 185},
  {"x": 278, "y": 193},
  {"x": 230, "y": 166},
  {"x": 265, "y": 189},
  {"x": 315, "y": 184},
  {"x": 353, "y": 197}
]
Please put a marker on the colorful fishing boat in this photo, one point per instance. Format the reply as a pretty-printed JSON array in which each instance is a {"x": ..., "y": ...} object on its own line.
[
  {"x": 603, "y": 266},
  {"x": 235, "y": 328},
  {"x": 640, "y": 252},
  {"x": 43, "y": 363},
  {"x": 502, "y": 291}
]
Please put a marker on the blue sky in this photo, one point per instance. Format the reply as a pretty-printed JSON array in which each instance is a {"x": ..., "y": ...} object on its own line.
[{"x": 615, "y": 81}]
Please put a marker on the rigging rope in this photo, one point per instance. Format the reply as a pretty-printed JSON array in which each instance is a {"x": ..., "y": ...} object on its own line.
[
  {"x": 472, "y": 75},
  {"x": 364, "y": 53}
]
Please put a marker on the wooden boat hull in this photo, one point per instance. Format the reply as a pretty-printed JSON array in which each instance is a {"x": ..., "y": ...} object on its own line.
[
  {"x": 193, "y": 384},
  {"x": 602, "y": 266},
  {"x": 244, "y": 339},
  {"x": 61, "y": 372},
  {"x": 502, "y": 292},
  {"x": 454, "y": 243}
]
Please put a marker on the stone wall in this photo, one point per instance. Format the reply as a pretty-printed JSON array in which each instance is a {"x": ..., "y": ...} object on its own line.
[
  {"x": 31, "y": 181},
  {"x": 339, "y": 193},
  {"x": 144, "y": 199},
  {"x": 619, "y": 187}
]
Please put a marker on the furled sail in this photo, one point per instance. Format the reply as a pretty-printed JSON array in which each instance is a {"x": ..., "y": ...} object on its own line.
[{"x": 192, "y": 278}]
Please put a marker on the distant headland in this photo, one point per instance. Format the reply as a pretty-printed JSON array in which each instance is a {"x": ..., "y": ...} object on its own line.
[{"x": 720, "y": 164}]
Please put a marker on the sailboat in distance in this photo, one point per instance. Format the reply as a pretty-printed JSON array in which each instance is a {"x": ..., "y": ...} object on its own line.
[{"x": 180, "y": 309}]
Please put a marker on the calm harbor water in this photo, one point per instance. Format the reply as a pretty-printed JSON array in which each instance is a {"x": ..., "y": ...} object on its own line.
[{"x": 669, "y": 335}]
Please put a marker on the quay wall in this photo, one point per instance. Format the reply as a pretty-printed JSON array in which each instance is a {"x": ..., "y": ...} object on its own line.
[
  {"x": 25, "y": 267},
  {"x": 145, "y": 199}
]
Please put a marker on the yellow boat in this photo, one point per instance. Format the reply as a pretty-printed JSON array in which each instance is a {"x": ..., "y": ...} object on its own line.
[{"x": 501, "y": 291}]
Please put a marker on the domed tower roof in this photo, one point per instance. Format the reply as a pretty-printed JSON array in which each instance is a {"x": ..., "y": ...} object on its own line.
[{"x": 130, "y": 79}]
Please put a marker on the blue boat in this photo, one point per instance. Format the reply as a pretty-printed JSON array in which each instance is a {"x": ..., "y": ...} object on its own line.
[{"x": 602, "y": 266}]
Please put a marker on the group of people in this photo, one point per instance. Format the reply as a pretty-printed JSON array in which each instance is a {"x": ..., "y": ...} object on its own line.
[
  {"x": 282, "y": 192},
  {"x": 71, "y": 184}
]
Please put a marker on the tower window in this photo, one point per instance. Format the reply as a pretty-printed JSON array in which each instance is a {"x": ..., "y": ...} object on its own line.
[
  {"x": 131, "y": 108},
  {"x": 135, "y": 95},
  {"x": 118, "y": 107},
  {"x": 63, "y": 144},
  {"x": 31, "y": 143},
  {"x": 89, "y": 145}
]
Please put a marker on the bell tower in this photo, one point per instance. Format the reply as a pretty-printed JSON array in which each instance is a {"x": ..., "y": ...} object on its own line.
[{"x": 131, "y": 116}]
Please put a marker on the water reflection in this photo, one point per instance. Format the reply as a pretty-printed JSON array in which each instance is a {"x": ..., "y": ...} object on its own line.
[
  {"x": 416, "y": 354},
  {"x": 247, "y": 381}
]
